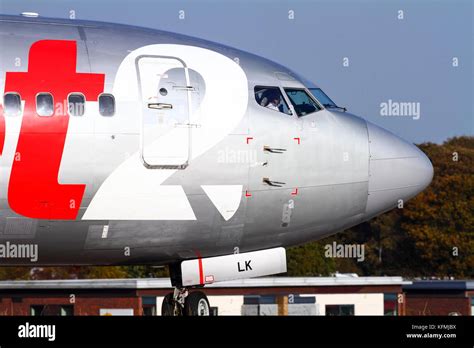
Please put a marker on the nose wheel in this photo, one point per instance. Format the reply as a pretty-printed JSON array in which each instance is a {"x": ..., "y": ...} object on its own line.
[
  {"x": 182, "y": 303},
  {"x": 196, "y": 304}
]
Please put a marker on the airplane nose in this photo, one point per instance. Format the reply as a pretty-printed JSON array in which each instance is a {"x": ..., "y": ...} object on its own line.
[{"x": 398, "y": 170}]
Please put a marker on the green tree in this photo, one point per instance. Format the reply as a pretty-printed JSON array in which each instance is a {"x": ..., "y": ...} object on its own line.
[{"x": 309, "y": 260}]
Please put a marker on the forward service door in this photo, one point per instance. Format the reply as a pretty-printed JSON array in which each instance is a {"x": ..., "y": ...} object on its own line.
[{"x": 165, "y": 99}]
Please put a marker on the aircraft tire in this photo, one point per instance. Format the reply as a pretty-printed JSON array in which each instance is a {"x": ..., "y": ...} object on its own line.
[
  {"x": 197, "y": 304},
  {"x": 167, "y": 308}
]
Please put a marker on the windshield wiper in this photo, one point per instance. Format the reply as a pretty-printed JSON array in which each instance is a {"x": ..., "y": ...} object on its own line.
[{"x": 334, "y": 106}]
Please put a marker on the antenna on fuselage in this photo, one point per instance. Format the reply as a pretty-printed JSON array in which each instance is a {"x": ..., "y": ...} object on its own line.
[{"x": 30, "y": 14}]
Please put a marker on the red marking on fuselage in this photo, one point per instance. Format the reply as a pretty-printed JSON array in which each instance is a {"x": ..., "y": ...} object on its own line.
[
  {"x": 248, "y": 139},
  {"x": 34, "y": 190},
  {"x": 248, "y": 194},
  {"x": 295, "y": 192},
  {"x": 201, "y": 270},
  {"x": 297, "y": 139},
  {"x": 2, "y": 130}
]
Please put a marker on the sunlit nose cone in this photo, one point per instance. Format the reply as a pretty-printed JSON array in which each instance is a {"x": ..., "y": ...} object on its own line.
[{"x": 398, "y": 170}]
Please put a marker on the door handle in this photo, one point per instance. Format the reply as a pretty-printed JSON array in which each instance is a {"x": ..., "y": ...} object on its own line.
[
  {"x": 184, "y": 88},
  {"x": 273, "y": 149},
  {"x": 273, "y": 183},
  {"x": 187, "y": 125},
  {"x": 160, "y": 106}
]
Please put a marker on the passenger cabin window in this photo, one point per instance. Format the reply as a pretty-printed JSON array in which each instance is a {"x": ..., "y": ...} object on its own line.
[
  {"x": 107, "y": 105},
  {"x": 44, "y": 104},
  {"x": 301, "y": 101},
  {"x": 76, "y": 102},
  {"x": 12, "y": 104},
  {"x": 271, "y": 98}
]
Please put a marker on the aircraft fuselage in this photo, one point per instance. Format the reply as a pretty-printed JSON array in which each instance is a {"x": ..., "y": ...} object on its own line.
[{"x": 173, "y": 155}]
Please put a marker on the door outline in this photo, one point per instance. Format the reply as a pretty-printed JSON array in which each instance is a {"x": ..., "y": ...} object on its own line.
[{"x": 142, "y": 123}]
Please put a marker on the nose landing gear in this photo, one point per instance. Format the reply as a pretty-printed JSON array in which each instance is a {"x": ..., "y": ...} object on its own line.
[{"x": 181, "y": 302}]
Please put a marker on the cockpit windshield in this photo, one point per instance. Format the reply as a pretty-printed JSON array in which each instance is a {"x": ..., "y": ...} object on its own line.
[
  {"x": 302, "y": 101},
  {"x": 322, "y": 98}
]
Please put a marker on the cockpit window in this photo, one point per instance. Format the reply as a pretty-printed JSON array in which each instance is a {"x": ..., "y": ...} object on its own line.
[
  {"x": 271, "y": 98},
  {"x": 301, "y": 101},
  {"x": 322, "y": 98}
]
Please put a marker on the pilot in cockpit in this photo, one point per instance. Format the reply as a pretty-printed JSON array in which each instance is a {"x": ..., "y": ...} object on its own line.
[{"x": 274, "y": 100}]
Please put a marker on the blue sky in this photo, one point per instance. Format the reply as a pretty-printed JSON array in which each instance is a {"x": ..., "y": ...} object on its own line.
[{"x": 403, "y": 60}]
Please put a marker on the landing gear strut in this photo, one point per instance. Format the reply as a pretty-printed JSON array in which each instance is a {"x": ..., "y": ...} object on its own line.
[{"x": 181, "y": 302}]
